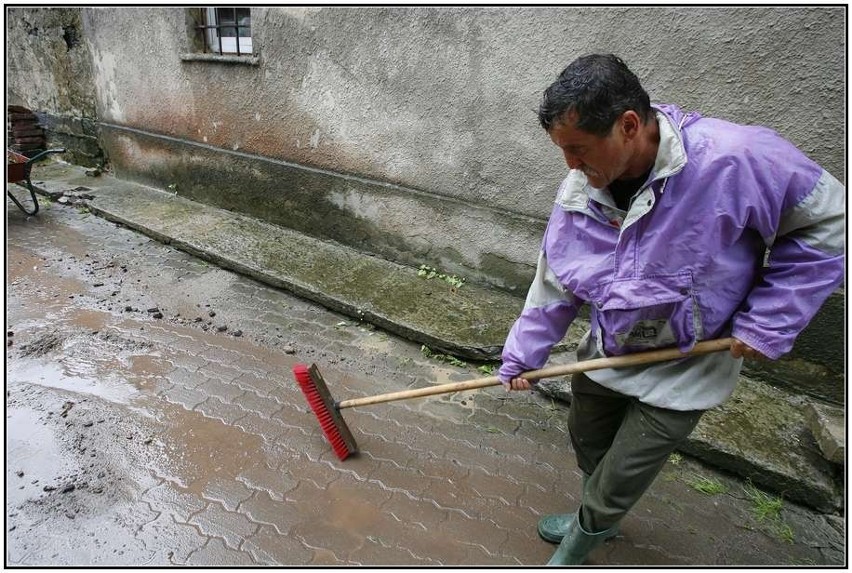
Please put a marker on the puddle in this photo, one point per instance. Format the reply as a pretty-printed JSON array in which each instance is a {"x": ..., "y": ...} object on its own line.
[
  {"x": 33, "y": 447},
  {"x": 73, "y": 376},
  {"x": 197, "y": 450},
  {"x": 82, "y": 352},
  {"x": 39, "y": 273},
  {"x": 73, "y": 242}
]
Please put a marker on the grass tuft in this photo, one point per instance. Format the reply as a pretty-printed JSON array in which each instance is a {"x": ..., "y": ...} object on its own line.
[
  {"x": 764, "y": 506},
  {"x": 707, "y": 486},
  {"x": 767, "y": 509}
]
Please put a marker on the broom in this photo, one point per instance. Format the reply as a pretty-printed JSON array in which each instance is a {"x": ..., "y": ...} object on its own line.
[{"x": 337, "y": 432}]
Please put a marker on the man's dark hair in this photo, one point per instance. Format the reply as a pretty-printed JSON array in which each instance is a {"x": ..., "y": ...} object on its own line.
[{"x": 599, "y": 88}]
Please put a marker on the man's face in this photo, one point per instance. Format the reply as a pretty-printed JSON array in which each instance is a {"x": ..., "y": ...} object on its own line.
[{"x": 602, "y": 159}]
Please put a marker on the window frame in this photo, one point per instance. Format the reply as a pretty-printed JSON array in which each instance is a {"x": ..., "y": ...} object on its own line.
[{"x": 226, "y": 45}]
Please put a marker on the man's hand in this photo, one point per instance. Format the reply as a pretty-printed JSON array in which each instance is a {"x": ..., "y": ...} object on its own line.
[
  {"x": 517, "y": 384},
  {"x": 740, "y": 349}
]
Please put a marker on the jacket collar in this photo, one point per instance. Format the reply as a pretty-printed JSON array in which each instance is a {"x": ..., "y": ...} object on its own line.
[{"x": 574, "y": 192}]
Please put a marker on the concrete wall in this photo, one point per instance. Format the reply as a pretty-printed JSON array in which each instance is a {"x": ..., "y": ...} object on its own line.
[{"x": 442, "y": 99}]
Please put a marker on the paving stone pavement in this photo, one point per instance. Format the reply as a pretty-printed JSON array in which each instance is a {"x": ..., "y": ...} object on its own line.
[{"x": 187, "y": 441}]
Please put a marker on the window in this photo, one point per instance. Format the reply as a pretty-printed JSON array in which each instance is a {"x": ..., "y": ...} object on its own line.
[{"x": 227, "y": 30}]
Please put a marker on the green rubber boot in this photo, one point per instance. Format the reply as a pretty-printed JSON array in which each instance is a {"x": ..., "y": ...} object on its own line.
[
  {"x": 553, "y": 527},
  {"x": 577, "y": 544}
]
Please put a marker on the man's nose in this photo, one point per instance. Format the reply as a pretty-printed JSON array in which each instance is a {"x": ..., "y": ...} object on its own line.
[{"x": 572, "y": 160}]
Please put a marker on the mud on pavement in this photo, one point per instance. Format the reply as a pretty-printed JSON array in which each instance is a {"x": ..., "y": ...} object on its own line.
[{"x": 152, "y": 419}]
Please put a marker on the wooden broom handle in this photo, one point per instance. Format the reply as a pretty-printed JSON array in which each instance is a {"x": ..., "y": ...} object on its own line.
[{"x": 704, "y": 347}]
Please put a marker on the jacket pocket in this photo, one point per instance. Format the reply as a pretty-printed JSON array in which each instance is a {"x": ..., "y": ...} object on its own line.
[{"x": 632, "y": 315}]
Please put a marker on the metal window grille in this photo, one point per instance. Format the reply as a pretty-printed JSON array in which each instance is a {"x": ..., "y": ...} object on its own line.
[{"x": 225, "y": 23}]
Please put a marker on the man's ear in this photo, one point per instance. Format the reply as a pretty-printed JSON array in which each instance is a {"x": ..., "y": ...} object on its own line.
[{"x": 629, "y": 123}]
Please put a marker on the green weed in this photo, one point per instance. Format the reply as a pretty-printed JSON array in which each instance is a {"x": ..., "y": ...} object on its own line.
[
  {"x": 487, "y": 369},
  {"x": 767, "y": 509},
  {"x": 431, "y": 273},
  {"x": 445, "y": 358},
  {"x": 764, "y": 506},
  {"x": 707, "y": 486},
  {"x": 784, "y": 532},
  {"x": 675, "y": 459}
]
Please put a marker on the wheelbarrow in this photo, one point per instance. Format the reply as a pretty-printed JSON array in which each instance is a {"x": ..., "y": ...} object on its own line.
[{"x": 18, "y": 169}]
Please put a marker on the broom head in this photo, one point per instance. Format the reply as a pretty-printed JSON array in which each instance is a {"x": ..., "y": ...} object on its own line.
[{"x": 325, "y": 409}]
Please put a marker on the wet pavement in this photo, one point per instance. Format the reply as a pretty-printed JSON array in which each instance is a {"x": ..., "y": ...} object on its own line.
[{"x": 152, "y": 419}]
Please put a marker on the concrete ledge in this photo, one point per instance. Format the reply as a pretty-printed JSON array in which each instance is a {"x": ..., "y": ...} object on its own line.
[
  {"x": 408, "y": 226},
  {"x": 761, "y": 433},
  {"x": 469, "y": 322},
  {"x": 828, "y": 426}
]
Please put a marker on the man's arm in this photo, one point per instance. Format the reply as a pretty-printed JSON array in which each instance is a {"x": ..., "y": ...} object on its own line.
[
  {"x": 806, "y": 264},
  {"x": 548, "y": 312}
]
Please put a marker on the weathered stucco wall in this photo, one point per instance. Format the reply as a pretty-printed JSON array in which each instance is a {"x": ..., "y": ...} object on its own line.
[
  {"x": 442, "y": 99},
  {"x": 436, "y": 102}
]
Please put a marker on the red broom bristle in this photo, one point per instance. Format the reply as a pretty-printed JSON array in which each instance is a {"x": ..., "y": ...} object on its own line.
[{"x": 320, "y": 409}]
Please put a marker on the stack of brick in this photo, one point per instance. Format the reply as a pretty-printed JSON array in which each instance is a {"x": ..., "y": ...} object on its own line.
[{"x": 24, "y": 135}]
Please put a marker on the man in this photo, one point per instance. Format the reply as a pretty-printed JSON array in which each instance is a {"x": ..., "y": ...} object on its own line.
[{"x": 662, "y": 226}]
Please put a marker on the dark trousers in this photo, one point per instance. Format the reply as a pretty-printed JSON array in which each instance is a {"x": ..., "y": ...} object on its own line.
[{"x": 621, "y": 444}]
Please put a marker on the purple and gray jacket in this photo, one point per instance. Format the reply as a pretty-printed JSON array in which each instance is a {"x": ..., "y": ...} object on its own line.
[{"x": 686, "y": 262}]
